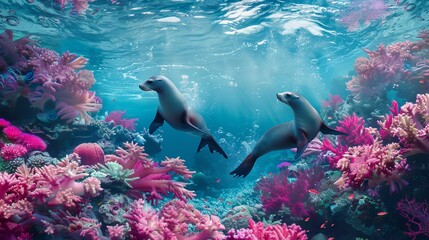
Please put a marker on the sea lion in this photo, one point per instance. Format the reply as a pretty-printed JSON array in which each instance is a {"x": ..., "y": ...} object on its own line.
[
  {"x": 297, "y": 133},
  {"x": 174, "y": 110}
]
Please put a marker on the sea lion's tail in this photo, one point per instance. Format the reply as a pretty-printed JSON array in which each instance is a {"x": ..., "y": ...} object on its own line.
[
  {"x": 245, "y": 167},
  {"x": 213, "y": 145}
]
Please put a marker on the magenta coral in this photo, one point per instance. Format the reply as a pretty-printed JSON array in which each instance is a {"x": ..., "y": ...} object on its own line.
[
  {"x": 291, "y": 232},
  {"x": 171, "y": 222},
  {"x": 11, "y": 151},
  {"x": 12, "y": 132},
  {"x": 277, "y": 191},
  {"x": 152, "y": 178},
  {"x": 32, "y": 142},
  {"x": 116, "y": 118}
]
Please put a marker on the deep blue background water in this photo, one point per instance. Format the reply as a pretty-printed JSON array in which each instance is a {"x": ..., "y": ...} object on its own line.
[{"x": 229, "y": 58}]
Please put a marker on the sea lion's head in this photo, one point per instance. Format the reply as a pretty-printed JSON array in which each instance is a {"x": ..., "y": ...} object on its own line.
[
  {"x": 289, "y": 98},
  {"x": 155, "y": 83}
]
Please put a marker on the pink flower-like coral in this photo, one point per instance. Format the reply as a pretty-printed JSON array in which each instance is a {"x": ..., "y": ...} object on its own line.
[
  {"x": 172, "y": 222},
  {"x": 153, "y": 178}
]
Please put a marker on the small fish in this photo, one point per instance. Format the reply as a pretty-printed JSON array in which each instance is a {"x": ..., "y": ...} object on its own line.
[
  {"x": 330, "y": 238},
  {"x": 218, "y": 180},
  {"x": 308, "y": 218},
  {"x": 229, "y": 202},
  {"x": 382, "y": 213},
  {"x": 323, "y": 225},
  {"x": 422, "y": 81},
  {"x": 351, "y": 196},
  {"x": 313, "y": 191},
  {"x": 332, "y": 224}
]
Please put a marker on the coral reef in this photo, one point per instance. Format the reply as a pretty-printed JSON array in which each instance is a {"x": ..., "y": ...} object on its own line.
[
  {"x": 40, "y": 75},
  {"x": 151, "y": 177}
]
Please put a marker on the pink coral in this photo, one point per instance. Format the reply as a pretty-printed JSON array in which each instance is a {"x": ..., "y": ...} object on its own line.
[
  {"x": 333, "y": 102},
  {"x": 116, "y": 232},
  {"x": 116, "y": 118},
  {"x": 152, "y": 178},
  {"x": 410, "y": 126},
  {"x": 171, "y": 222},
  {"x": 364, "y": 162},
  {"x": 58, "y": 184},
  {"x": 90, "y": 153},
  {"x": 258, "y": 231},
  {"x": 11, "y": 151}
]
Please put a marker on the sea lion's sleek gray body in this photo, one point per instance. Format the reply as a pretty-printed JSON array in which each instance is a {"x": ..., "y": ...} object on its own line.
[
  {"x": 174, "y": 110},
  {"x": 297, "y": 133}
]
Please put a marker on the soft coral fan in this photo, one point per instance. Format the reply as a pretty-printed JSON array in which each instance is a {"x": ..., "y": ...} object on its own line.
[
  {"x": 417, "y": 214},
  {"x": 116, "y": 118},
  {"x": 172, "y": 222},
  {"x": 41, "y": 75},
  {"x": 151, "y": 177},
  {"x": 410, "y": 126}
]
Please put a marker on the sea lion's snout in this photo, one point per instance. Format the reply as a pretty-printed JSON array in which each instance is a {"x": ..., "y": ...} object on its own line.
[
  {"x": 144, "y": 87},
  {"x": 281, "y": 98}
]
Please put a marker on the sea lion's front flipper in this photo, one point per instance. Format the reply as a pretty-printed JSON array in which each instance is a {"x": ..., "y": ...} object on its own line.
[
  {"x": 301, "y": 144},
  {"x": 157, "y": 122},
  {"x": 327, "y": 130}
]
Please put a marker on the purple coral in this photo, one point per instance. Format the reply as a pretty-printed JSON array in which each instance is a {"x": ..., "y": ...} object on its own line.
[{"x": 417, "y": 215}]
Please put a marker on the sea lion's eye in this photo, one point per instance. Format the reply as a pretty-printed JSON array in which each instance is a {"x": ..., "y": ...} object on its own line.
[
  {"x": 287, "y": 95},
  {"x": 149, "y": 81}
]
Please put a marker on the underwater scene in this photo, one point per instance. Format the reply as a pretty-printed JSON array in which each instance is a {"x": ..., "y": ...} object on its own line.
[{"x": 214, "y": 119}]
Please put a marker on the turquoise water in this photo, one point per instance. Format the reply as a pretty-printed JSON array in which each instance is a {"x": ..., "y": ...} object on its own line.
[{"x": 229, "y": 59}]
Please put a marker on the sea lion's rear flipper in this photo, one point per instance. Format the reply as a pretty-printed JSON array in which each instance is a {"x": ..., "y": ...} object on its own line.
[
  {"x": 327, "y": 130},
  {"x": 301, "y": 144},
  {"x": 245, "y": 167},
  {"x": 213, "y": 146},
  {"x": 157, "y": 122}
]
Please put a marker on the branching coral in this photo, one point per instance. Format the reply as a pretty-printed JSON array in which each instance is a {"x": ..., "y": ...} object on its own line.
[
  {"x": 417, "y": 214},
  {"x": 257, "y": 231},
  {"x": 172, "y": 222},
  {"x": 410, "y": 126},
  {"x": 152, "y": 178}
]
